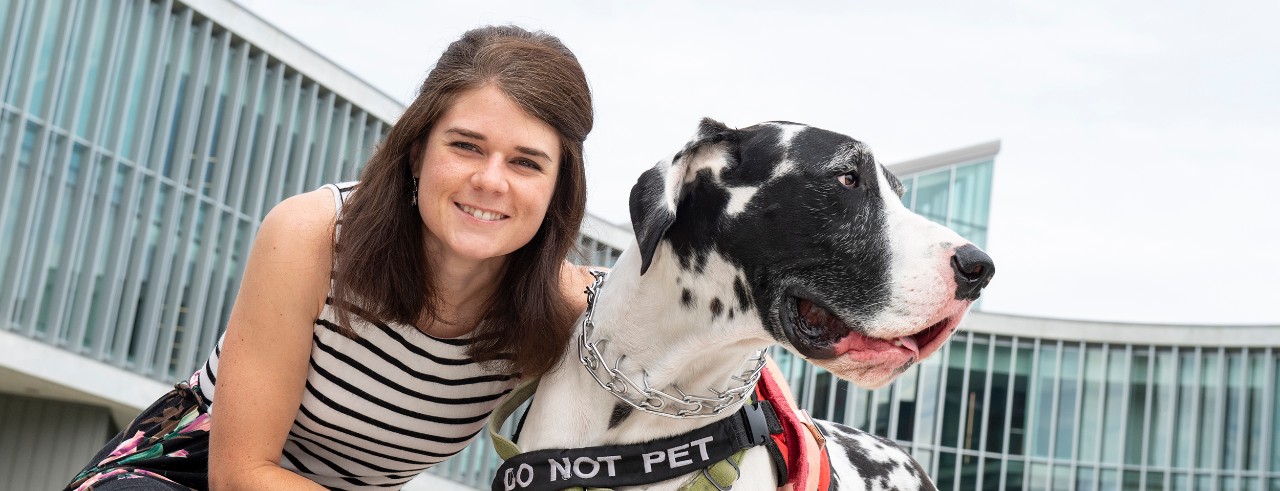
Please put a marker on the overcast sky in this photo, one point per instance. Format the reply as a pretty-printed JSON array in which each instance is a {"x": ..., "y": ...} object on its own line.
[{"x": 1141, "y": 140}]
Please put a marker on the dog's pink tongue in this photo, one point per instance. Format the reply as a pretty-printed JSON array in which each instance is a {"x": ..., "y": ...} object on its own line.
[{"x": 909, "y": 342}]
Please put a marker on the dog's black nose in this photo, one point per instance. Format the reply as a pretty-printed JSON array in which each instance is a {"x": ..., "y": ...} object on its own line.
[{"x": 973, "y": 271}]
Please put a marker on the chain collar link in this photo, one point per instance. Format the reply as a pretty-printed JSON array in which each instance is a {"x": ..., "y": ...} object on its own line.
[{"x": 640, "y": 395}]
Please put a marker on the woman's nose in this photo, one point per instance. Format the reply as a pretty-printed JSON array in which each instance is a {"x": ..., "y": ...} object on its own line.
[{"x": 491, "y": 177}]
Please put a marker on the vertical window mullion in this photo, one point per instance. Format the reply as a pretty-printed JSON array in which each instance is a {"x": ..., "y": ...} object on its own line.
[
  {"x": 247, "y": 129},
  {"x": 1146, "y": 412},
  {"x": 306, "y": 135},
  {"x": 198, "y": 117},
  {"x": 105, "y": 185},
  {"x": 1053, "y": 416},
  {"x": 208, "y": 82},
  {"x": 1078, "y": 413},
  {"x": 317, "y": 163},
  {"x": 131, "y": 257},
  {"x": 156, "y": 333},
  {"x": 339, "y": 139},
  {"x": 1008, "y": 413},
  {"x": 71, "y": 259},
  {"x": 216, "y": 247},
  {"x": 986, "y": 407},
  {"x": 40, "y": 232},
  {"x": 964, "y": 408},
  {"x": 279, "y": 164},
  {"x": 940, "y": 411},
  {"x": 262, "y": 154}
]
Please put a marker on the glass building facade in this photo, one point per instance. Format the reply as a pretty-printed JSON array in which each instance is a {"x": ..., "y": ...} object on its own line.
[
  {"x": 142, "y": 141},
  {"x": 141, "y": 145}
]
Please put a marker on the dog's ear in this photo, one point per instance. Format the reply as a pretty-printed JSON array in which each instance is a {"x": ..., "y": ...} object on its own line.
[{"x": 658, "y": 190}]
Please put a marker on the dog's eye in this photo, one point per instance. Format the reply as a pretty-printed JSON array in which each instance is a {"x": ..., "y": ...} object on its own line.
[{"x": 848, "y": 180}]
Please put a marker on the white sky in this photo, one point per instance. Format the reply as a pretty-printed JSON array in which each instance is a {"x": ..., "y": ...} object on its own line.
[{"x": 1141, "y": 142}]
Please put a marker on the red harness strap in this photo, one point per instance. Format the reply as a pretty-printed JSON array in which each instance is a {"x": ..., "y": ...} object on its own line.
[{"x": 802, "y": 446}]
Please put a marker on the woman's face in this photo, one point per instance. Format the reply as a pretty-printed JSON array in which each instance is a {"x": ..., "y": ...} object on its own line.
[{"x": 486, "y": 178}]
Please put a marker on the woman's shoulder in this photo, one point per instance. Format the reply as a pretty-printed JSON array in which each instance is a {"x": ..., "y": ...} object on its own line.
[
  {"x": 301, "y": 224},
  {"x": 310, "y": 215}
]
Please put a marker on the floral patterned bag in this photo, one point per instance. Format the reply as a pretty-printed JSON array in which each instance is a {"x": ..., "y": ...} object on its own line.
[{"x": 168, "y": 443}]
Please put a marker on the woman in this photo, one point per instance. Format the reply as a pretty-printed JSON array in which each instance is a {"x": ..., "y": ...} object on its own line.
[{"x": 378, "y": 323}]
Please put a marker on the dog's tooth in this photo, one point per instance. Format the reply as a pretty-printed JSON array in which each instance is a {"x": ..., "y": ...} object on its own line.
[{"x": 897, "y": 342}]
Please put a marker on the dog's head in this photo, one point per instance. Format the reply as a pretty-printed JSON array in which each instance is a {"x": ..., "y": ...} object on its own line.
[{"x": 825, "y": 254}]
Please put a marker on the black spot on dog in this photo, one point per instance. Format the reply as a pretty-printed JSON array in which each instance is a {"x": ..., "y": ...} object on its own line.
[
  {"x": 804, "y": 235},
  {"x": 686, "y": 298},
  {"x": 875, "y": 473},
  {"x": 620, "y": 413},
  {"x": 716, "y": 308},
  {"x": 730, "y": 314},
  {"x": 740, "y": 291}
]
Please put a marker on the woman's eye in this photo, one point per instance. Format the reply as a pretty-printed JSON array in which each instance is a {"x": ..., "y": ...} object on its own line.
[
  {"x": 529, "y": 163},
  {"x": 465, "y": 146},
  {"x": 848, "y": 180}
]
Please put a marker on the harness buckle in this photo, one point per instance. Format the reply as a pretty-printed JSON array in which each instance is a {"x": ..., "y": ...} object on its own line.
[{"x": 757, "y": 423}]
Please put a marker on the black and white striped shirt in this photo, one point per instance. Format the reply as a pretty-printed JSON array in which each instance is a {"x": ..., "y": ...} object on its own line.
[{"x": 379, "y": 410}]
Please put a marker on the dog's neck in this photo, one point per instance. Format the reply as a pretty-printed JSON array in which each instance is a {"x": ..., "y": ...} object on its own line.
[{"x": 665, "y": 337}]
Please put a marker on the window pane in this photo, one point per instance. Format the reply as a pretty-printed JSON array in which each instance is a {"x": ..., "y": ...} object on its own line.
[
  {"x": 1067, "y": 393},
  {"x": 976, "y": 394},
  {"x": 1084, "y": 479},
  {"x": 1231, "y": 427},
  {"x": 1109, "y": 479},
  {"x": 971, "y": 201},
  {"x": 1210, "y": 419},
  {"x": 1021, "y": 400},
  {"x": 1155, "y": 481},
  {"x": 1138, "y": 376},
  {"x": 1046, "y": 364},
  {"x": 1253, "y": 397},
  {"x": 1275, "y": 418},
  {"x": 930, "y": 371},
  {"x": 1061, "y": 478},
  {"x": 955, "y": 398},
  {"x": 1184, "y": 429},
  {"x": 1013, "y": 475},
  {"x": 1162, "y": 409},
  {"x": 1039, "y": 477},
  {"x": 1091, "y": 408},
  {"x": 44, "y": 52},
  {"x": 996, "y": 409},
  {"x": 968, "y": 472},
  {"x": 932, "y": 195},
  {"x": 1113, "y": 421},
  {"x": 946, "y": 475},
  {"x": 991, "y": 474},
  {"x": 905, "y": 389}
]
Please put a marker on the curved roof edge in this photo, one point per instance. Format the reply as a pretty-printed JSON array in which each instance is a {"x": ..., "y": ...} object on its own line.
[
  {"x": 1229, "y": 336},
  {"x": 616, "y": 236},
  {"x": 246, "y": 25},
  {"x": 980, "y": 151}
]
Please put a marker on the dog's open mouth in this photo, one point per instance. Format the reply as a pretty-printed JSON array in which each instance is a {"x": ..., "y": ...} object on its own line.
[{"x": 818, "y": 333}]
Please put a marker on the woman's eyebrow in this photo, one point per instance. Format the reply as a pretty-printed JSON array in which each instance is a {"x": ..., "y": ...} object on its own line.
[{"x": 532, "y": 152}]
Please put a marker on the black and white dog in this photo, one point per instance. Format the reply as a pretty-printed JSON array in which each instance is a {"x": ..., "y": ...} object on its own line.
[{"x": 778, "y": 233}]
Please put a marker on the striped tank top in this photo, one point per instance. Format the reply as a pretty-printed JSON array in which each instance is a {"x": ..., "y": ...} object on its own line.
[{"x": 379, "y": 410}]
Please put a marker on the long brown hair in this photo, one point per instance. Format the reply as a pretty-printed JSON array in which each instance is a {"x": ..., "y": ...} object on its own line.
[{"x": 381, "y": 271}]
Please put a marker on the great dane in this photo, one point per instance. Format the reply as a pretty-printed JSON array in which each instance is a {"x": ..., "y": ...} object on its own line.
[{"x": 777, "y": 233}]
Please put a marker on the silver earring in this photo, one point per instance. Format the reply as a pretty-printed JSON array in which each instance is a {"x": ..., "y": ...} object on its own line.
[{"x": 414, "y": 201}]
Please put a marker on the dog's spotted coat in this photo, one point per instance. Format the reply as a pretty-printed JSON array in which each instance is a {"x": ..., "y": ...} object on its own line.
[{"x": 774, "y": 234}]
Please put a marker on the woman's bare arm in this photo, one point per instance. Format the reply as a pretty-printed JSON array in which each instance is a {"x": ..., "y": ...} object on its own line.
[{"x": 263, "y": 366}]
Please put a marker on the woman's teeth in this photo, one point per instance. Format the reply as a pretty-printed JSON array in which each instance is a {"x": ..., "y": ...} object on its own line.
[{"x": 487, "y": 216}]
